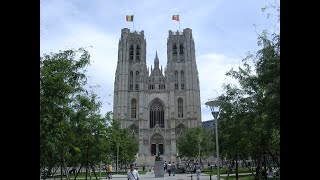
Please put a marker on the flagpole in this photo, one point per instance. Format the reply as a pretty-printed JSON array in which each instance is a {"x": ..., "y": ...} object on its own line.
[
  {"x": 179, "y": 21},
  {"x": 133, "y": 22}
]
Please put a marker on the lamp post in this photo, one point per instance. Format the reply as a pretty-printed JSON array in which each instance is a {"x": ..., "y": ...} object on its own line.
[{"x": 215, "y": 109}]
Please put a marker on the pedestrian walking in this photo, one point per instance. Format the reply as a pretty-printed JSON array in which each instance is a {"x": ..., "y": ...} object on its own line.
[
  {"x": 173, "y": 169},
  {"x": 132, "y": 173},
  {"x": 198, "y": 170},
  {"x": 169, "y": 168}
]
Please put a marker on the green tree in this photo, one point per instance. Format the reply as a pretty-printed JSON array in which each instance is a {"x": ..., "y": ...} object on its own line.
[
  {"x": 195, "y": 140},
  {"x": 61, "y": 77},
  {"x": 249, "y": 124},
  {"x": 89, "y": 132},
  {"x": 127, "y": 143},
  {"x": 72, "y": 130}
]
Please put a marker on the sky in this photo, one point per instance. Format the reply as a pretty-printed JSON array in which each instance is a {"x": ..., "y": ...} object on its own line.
[{"x": 224, "y": 32}]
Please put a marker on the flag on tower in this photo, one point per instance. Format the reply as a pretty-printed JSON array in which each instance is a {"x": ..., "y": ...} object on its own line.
[
  {"x": 129, "y": 18},
  {"x": 175, "y": 17}
]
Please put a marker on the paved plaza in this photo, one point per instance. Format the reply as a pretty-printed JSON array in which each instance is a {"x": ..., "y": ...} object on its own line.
[{"x": 150, "y": 175}]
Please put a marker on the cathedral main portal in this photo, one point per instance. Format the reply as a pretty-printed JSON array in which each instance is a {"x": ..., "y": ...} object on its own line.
[{"x": 157, "y": 144}]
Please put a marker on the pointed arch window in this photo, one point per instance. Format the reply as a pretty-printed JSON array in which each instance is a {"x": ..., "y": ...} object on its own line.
[
  {"x": 182, "y": 80},
  {"x": 133, "y": 108},
  {"x": 174, "y": 49},
  {"x": 156, "y": 114},
  {"x": 131, "y": 81},
  {"x": 176, "y": 87},
  {"x": 131, "y": 53},
  {"x": 137, "y": 80},
  {"x": 181, "y": 48},
  {"x": 180, "y": 108},
  {"x": 138, "y": 53}
]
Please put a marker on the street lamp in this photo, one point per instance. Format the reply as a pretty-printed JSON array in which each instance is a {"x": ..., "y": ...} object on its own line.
[{"x": 215, "y": 109}]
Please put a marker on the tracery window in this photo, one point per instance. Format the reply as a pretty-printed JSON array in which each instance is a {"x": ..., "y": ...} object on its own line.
[
  {"x": 182, "y": 80},
  {"x": 176, "y": 87},
  {"x": 131, "y": 53},
  {"x": 180, "y": 108},
  {"x": 137, "y": 80},
  {"x": 156, "y": 114},
  {"x": 131, "y": 81},
  {"x": 174, "y": 49},
  {"x": 138, "y": 53},
  {"x": 134, "y": 108},
  {"x": 181, "y": 48}
]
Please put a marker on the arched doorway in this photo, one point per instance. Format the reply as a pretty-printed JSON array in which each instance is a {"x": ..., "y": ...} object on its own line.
[{"x": 157, "y": 144}]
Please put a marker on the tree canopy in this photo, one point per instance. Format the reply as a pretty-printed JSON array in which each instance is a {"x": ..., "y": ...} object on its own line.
[
  {"x": 249, "y": 123},
  {"x": 72, "y": 130},
  {"x": 193, "y": 140}
]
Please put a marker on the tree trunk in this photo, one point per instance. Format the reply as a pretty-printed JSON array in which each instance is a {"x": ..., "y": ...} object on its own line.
[
  {"x": 121, "y": 165},
  {"x": 55, "y": 170},
  {"x": 228, "y": 174},
  {"x": 260, "y": 165},
  {"x": 87, "y": 170},
  {"x": 87, "y": 161},
  {"x": 66, "y": 169},
  {"x": 237, "y": 175},
  {"x": 94, "y": 172},
  {"x": 75, "y": 177},
  {"x": 265, "y": 166},
  {"x": 230, "y": 168},
  {"x": 61, "y": 164},
  {"x": 274, "y": 158},
  {"x": 90, "y": 169},
  {"x": 247, "y": 165},
  {"x": 258, "y": 169}
]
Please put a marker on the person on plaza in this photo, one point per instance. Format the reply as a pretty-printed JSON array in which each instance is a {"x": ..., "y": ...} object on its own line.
[
  {"x": 165, "y": 166},
  {"x": 132, "y": 173},
  {"x": 198, "y": 170},
  {"x": 173, "y": 169},
  {"x": 109, "y": 171},
  {"x": 169, "y": 168}
]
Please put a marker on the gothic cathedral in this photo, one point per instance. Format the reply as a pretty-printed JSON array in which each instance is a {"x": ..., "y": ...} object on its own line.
[{"x": 157, "y": 105}]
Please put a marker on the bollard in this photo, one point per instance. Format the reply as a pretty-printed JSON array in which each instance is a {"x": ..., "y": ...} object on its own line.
[{"x": 210, "y": 176}]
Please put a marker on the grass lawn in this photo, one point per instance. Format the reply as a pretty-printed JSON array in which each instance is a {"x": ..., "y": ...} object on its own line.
[
  {"x": 225, "y": 171},
  {"x": 103, "y": 174},
  {"x": 243, "y": 177}
]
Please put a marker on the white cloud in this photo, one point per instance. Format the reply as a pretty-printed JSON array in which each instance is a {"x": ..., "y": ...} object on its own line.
[
  {"x": 102, "y": 48},
  {"x": 74, "y": 24},
  {"x": 212, "y": 69}
]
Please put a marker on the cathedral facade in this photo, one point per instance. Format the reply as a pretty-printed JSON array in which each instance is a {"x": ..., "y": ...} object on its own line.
[{"x": 157, "y": 105}]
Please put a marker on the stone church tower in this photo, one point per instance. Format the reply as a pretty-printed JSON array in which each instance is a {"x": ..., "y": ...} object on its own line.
[{"x": 157, "y": 105}]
